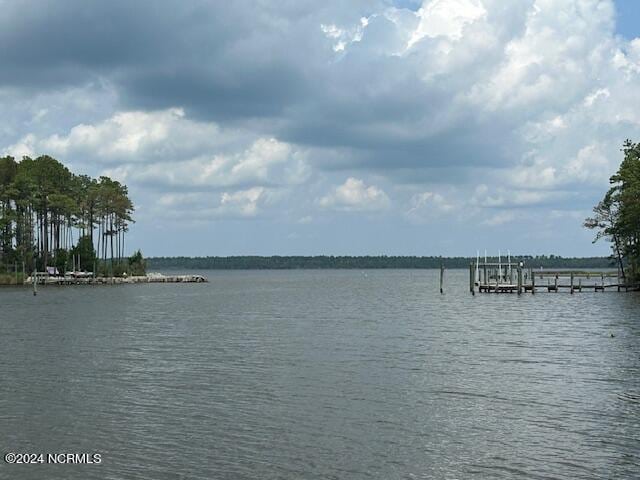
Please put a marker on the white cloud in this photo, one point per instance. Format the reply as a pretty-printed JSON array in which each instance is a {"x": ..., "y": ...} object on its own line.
[
  {"x": 531, "y": 83},
  {"x": 25, "y": 147},
  {"x": 353, "y": 196},
  {"x": 504, "y": 197},
  {"x": 603, "y": 93},
  {"x": 572, "y": 215},
  {"x": 265, "y": 162},
  {"x": 39, "y": 115},
  {"x": 244, "y": 202},
  {"x": 167, "y": 152},
  {"x": 208, "y": 206},
  {"x": 136, "y": 136},
  {"x": 167, "y": 148},
  {"x": 499, "y": 218},
  {"x": 563, "y": 46},
  {"x": 428, "y": 205},
  {"x": 591, "y": 165},
  {"x": 446, "y": 18},
  {"x": 343, "y": 37}
]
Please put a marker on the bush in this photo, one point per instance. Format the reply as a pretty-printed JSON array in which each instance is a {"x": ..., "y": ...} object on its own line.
[
  {"x": 137, "y": 264},
  {"x": 11, "y": 279}
]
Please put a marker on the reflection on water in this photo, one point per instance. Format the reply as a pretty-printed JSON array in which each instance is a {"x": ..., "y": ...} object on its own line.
[{"x": 321, "y": 374}]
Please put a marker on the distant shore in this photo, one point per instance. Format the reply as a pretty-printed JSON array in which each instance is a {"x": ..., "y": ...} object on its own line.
[{"x": 361, "y": 262}]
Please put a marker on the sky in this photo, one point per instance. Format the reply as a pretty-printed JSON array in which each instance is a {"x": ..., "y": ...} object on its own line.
[{"x": 297, "y": 127}]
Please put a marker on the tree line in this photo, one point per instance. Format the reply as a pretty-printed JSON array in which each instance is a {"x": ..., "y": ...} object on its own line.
[
  {"x": 52, "y": 217},
  {"x": 360, "y": 262},
  {"x": 616, "y": 217}
]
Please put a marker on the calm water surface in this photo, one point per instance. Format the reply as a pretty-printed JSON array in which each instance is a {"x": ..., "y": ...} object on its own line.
[{"x": 320, "y": 375}]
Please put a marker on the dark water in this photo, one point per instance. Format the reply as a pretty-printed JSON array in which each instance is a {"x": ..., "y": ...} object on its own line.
[{"x": 320, "y": 375}]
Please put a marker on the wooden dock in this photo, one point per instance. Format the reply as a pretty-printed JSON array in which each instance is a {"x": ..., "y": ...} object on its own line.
[{"x": 516, "y": 278}]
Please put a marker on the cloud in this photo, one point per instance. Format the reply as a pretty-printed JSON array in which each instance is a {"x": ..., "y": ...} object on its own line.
[
  {"x": 342, "y": 37},
  {"x": 354, "y": 196},
  {"x": 191, "y": 169},
  {"x": 205, "y": 206},
  {"x": 167, "y": 149},
  {"x": 500, "y": 218},
  {"x": 551, "y": 64},
  {"x": 244, "y": 202},
  {"x": 501, "y": 197},
  {"x": 428, "y": 205},
  {"x": 446, "y": 18},
  {"x": 265, "y": 162},
  {"x": 22, "y": 148},
  {"x": 531, "y": 98},
  {"x": 454, "y": 82},
  {"x": 138, "y": 137}
]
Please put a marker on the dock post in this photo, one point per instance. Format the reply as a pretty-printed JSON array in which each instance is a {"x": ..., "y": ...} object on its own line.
[
  {"x": 519, "y": 280},
  {"x": 556, "y": 284},
  {"x": 472, "y": 280},
  {"x": 571, "y": 283},
  {"x": 533, "y": 283},
  {"x": 441, "y": 278},
  {"x": 602, "y": 279},
  {"x": 580, "y": 285}
]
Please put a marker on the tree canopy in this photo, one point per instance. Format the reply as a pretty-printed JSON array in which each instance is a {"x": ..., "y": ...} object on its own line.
[
  {"x": 617, "y": 216},
  {"x": 50, "y": 216}
]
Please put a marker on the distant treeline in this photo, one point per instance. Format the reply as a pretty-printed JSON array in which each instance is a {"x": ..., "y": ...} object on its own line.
[{"x": 365, "y": 262}]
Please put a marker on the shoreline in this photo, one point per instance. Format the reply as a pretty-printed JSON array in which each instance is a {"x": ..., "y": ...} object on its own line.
[{"x": 149, "y": 278}]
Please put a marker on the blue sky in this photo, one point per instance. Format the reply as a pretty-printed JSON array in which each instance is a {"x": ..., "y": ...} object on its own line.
[
  {"x": 411, "y": 127},
  {"x": 628, "y": 18}
]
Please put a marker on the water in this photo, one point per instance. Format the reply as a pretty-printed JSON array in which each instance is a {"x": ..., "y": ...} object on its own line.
[{"x": 320, "y": 375}]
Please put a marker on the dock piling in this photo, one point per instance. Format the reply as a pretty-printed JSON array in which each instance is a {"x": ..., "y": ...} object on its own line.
[
  {"x": 571, "y": 283},
  {"x": 519, "y": 279}
]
